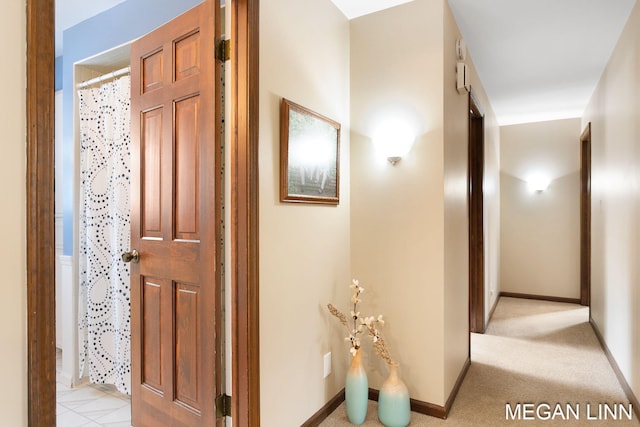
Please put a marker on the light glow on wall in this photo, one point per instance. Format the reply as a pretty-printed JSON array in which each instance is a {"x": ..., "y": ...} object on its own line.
[
  {"x": 393, "y": 139},
  {"x": 538, "y": 183}
]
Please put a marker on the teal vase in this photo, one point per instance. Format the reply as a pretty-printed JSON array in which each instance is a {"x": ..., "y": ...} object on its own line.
[
  {"x": 394, "y": 408},
  {"x": 356, "y": 390}
]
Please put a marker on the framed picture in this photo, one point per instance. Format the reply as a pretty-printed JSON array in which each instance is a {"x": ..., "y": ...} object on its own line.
[{"x": 309, "y": 156}]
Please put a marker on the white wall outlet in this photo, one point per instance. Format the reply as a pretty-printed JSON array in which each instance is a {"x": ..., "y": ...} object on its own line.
[{"x": 327, "y": 364}]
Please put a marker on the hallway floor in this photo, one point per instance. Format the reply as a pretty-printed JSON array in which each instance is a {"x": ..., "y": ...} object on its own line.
[
  {"x": 91, "y": 405},
  {"x": 533, "y": 352}
]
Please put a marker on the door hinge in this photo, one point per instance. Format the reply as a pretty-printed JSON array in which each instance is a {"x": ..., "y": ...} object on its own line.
[
  {"x": 223, "y": 406},
  {"x": 223, "y": 50}
]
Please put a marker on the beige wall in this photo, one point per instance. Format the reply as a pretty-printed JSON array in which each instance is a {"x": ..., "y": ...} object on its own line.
[
  {"x": 13, "y": 329},
  {"x": 614, "y": 111},
  {"x": 402, "y": 230},
  {"x": 397, "y": 212},
  {"x": 409, "y": 223},
  {"x": 530, "y": 220},
  {"x": 456, "y": 239},
  {"x": 304, "y": 249},
  {"x": 456, "y": 217}
]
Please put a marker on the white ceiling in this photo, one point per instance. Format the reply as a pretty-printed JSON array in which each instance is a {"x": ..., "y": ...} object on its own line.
[
  {"x": 537, "y": 59},
  {"x": 355, "y": 8},
  {"x": 540, "y": 59}
]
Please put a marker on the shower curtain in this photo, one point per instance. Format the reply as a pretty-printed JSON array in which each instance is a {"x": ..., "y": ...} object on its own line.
[{"x": 103, "y": 298}]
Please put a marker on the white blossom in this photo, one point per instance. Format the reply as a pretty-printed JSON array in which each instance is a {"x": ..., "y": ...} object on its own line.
[{"x": 360, "y": 324}]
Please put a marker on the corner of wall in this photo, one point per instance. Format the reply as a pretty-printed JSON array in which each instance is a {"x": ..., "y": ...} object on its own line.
[
  {"x": 397, "y": 212},
  {"x": 456, "y": 221}
]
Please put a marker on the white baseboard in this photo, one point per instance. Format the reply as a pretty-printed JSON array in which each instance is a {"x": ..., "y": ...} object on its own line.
[
  {"x": 65, "y": 379},
  {"x": 68, "y": 324}
]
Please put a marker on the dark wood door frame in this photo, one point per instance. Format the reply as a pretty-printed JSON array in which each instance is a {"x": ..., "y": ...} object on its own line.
[
  {"x": 41, "y": 348},
  {"x": 41, "y": 364},
  {"x": 244, "y": 213},
  {"x": 476, "y": 217},
  {"x": 585, "y": 216}
]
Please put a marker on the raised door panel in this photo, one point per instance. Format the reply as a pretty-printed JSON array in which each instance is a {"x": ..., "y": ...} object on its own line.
[
  {"x": 187, "y": 327},
  {"x": 151, "y": 171},
  {"x": 151, "y": 337},
  {"x": 187, "y": 169},
  {"x": 187, "y": 61},
  {"x": 152, "y": 71}
]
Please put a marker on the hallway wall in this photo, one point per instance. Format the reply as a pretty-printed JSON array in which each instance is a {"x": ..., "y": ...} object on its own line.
[
  {"x": 456, "y": 239},
  {"x": 304, "y": 249},
  {"x": 614, "y": 112},
  {"x": 13, "y": 304},
  {"x": 397, "y": 211},
  {"x": 409, "y": 226},
  {"x": 456, "y": 145},
  {"x": 540, "y": 234}
]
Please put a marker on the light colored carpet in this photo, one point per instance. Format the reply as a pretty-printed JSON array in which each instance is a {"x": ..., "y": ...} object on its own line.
[{"x": 533, "y": 352}]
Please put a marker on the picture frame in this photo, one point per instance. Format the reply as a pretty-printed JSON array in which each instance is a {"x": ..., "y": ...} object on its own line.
[{"x": 309, "y": 156}]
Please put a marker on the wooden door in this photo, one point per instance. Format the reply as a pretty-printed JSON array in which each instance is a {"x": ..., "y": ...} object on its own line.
[
  {"x": 585, "y": 216},
  {"x": 476, "y": 218},
  {"x": 176, "y": 222}
]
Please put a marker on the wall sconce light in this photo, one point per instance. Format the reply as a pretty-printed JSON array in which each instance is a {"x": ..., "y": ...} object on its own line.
[
  {"x": 538, "y": 183},
  {"x": 393, "y": 141}
]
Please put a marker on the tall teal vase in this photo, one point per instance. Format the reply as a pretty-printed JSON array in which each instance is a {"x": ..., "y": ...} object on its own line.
[
  {"x": 394, "y": 407},
  {"x": 356, "y": 390}
]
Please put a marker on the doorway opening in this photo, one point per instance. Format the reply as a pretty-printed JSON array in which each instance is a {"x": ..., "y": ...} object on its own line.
[
  {"x": 92, "y": 315},
  {"x": 87, "y": 74},
  {"x": 41, "y": 215},
  {"x": 585, "y": 216},
  {"x": 476, "y": 217}
]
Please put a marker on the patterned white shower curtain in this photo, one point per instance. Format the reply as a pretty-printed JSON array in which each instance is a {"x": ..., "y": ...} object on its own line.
[{"x": 104, "y": 310}]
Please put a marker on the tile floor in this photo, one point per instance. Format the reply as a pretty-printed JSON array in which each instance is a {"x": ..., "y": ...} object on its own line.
[{"x": 91, "y": 405}]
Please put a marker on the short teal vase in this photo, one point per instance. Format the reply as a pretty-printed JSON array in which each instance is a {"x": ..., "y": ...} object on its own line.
[
  {"x": 356, "y": 390},
  {"x": 394, "y": 408}
]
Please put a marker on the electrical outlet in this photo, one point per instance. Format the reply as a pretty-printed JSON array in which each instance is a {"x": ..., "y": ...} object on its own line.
[{"x": 327, "y": 364}]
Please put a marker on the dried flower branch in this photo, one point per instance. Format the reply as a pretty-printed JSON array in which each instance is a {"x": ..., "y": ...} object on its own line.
[
  {"x": 341, "y": 317},
  {"x": 379, "y": 345},
  {"x": 360, "y": 323}
]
